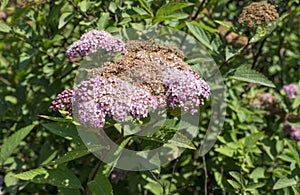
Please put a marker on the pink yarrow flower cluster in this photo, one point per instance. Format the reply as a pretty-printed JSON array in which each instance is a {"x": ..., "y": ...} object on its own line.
[
  {"x": 185, "y": 89},
  {"x": 63, "y": 101},
  {"x": 291, "y": 131},
  {"x": 291, "y": 90},
  {"x": 94, "y": 40},
  {"x": 99, "y": 97}
]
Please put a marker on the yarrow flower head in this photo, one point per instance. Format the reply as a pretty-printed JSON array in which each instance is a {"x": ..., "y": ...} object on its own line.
[
  {"x": 92, "y": 41},
  {"x": 291, "y": 90},
  {"x": 63, "y": 101},
  {"x": 258, "y": 13},
  {"x": 148, "y": 77},
  {"x": 99, "y": 97},
  {"x": 185, "y": 89}
]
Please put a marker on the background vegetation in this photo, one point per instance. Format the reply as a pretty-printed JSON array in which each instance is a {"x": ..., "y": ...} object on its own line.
[{"x": 253, "y": 155}]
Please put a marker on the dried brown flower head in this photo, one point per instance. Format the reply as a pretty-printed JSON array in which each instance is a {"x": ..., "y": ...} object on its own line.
[
  {"x": 258, "y": 13},
  {"x": 143, "y": 65}
]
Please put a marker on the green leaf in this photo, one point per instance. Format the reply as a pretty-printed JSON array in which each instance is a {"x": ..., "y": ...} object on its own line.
[
  {"x": 103, "y": 21},
  {"x": 146, "y": 6},
  {"x": 171, "y": 7},
  {"x": 236, "y": 176},
  {"x": 46, "y": 154},
  {"x": 209, "y": 40},
  {"x": 244, "y": 73},
  {"x": 227, "y": 151},
  {"x": 284, "y": 182},
  {"x": 3, "y": 4},
  {"x": 29, "y": 175},
  {"x": 167, "y": 17},
  {"x": 11, "y": 143},
  {"x": 250, "y": 141},
  {"x": 262, "y": 32},
  {"x": 72, "y": 155},
  {"x": 58, "y": 119},
  {"x": 112, "y": 7},
  {"x": 60, "y": 177},
  {"x": 254, "y": 186},
  {"x": 258, "y": 173},
  {"x": 100, "y": 185},
  {"x": 64, "y": 19},
  {"x": 294, "y": 153},
  {"x": 4, "y": 28},
  {"x": 234, "y": 184},
  {"x": 83, "y": 5},
  {"x": 180, "y": 140},
  {"x": 65, "y": 130}
]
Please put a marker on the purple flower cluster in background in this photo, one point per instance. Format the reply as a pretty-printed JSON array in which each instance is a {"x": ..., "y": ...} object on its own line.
[
  {"x": 92, "y": 41},
  {"x": 290, "y": 90},
  {"x": 116, "y": 176},
  {"x": 292, "y": 131},
  {"x": 99, "y": 97},
  {"x": 63, "y": 101},
  {"x": 185, "y": 89}
]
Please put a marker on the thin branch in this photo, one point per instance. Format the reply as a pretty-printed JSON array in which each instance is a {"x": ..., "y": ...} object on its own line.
[
  {"x": 173, "y": 173},
  {"x": 100, "y": 164},
  {"x": 200, "y": 7},
  {"x": 81, "y": 12},
  {"x": 159, "y": 182},
  {"x": 256, "y": 56},
  {"x": 205, "y": 174}
]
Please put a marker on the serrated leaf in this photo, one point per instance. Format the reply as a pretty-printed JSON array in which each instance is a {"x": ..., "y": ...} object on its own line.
[
  {"x": 64, "y": 19},
  {"x": 284, "y": 182},
  {"x": 244, "y": 73},
  {"x": 4, "y": 28},
  {"x": 100, "y": 185},
  {"x": 209, "y": 40},
  {"x": 71, "y": 155},
  {"x": 11, "y": 143},
  {"x": 57, "y": 177},
  {"x": 171, "y": 7}
]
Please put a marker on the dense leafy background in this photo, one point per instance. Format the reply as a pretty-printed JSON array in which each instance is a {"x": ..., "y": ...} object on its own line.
[{"x": 252, "y": 155}]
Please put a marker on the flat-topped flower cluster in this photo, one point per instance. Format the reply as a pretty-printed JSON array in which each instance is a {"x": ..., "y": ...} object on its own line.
[{"x": 149, "y": 76}]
